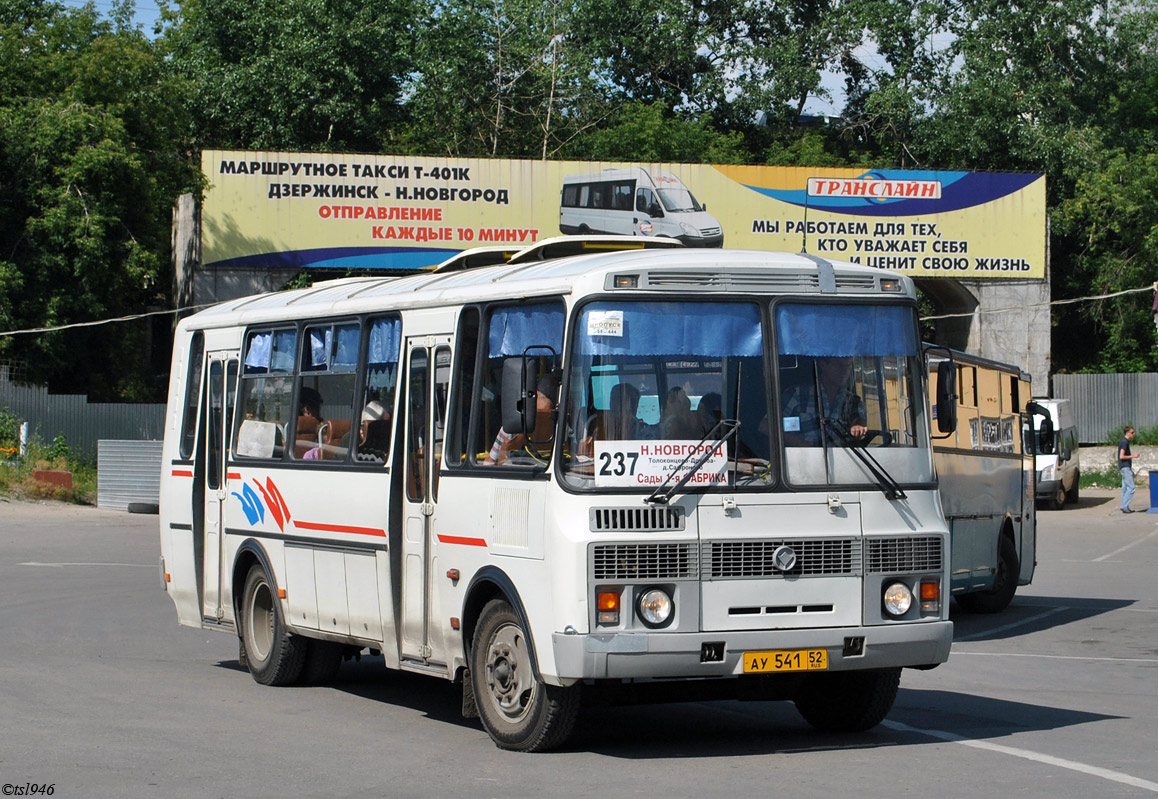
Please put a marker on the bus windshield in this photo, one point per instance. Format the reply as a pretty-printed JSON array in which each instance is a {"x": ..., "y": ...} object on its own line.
[
  {"x": 677, "y": 200},
  {"x": 849, "y": 382},
  {"x": 650, "y": 380}
]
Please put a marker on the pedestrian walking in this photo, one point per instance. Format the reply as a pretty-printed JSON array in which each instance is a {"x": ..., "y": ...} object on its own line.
[{"x": 1126, "y": 468}]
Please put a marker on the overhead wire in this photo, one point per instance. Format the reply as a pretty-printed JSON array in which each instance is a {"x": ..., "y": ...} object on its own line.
[
  {"x": 978, "y": 312},
  {"x": 1021, "y": 308},
  {"x": 94, "y": 323}
]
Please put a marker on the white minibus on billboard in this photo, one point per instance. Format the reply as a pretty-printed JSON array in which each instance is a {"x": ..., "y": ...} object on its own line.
[{"x": 634, "y": 202}]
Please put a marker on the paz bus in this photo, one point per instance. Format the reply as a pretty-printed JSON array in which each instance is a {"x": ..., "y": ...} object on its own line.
[
  {"x": 986, "y": 472},
  {"x": 555, "y": 476}
]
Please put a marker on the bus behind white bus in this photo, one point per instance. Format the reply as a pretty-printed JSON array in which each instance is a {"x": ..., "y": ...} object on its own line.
[
  {"x": 985, "y": 469},
  {"x": 608, "y": 472}
]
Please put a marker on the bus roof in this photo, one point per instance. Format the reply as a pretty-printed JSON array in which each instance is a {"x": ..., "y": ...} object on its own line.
[{"x": 654, "y": 270}]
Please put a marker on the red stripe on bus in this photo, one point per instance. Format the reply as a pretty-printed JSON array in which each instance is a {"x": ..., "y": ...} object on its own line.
[
  {"x": 340, "y": 528},
  {"x": 182, "y": 473},
  {"x": 233, "y": 475},
  {"x": 466, "y": 542}
]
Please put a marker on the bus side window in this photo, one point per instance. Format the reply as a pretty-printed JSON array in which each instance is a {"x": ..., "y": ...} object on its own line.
[
  {"x": 326, "y": 391},
  {"x": 644, "y": 200},
  {"x": 371, "y": 439},
  {"x": 192, "y": 391},
  {"x": 266, "y": 393},
  {"x": 465, "y": 370},
  {"x": 532, "y": 330}
]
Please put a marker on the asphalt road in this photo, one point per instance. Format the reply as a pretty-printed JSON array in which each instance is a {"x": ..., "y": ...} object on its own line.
[{"x": 102, "y": 694}]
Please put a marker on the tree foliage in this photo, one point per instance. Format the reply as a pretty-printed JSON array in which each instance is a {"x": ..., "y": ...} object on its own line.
[
  {"x": 100, "y": 125},
  {"x": 92, "y": 153}
]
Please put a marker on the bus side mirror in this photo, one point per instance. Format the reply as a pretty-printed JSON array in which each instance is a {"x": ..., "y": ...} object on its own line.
[
  {"x": 1045, "y": 430},
  {"x": 946, "y": 397},
  {"x": 519, "y": 402},
  {"x": 654, "y": 211}
]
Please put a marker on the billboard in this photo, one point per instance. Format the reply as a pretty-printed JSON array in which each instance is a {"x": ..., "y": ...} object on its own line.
[{"x": 275, "y": 209}]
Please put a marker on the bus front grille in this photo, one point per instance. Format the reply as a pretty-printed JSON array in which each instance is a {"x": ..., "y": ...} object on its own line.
[
  {"x": 893, "y": 555},
  {"x": 644, "y": 562},
  {"x": 636, "y": 520},
  {"x": 815, "y": 557}
]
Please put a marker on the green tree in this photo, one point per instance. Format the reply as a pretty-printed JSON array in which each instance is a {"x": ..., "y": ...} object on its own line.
[
  {"x": 92, "y": 154},
  {"x": 645, "y": 132},
  {"x": 291, "y": 74},
  {"x": 499, "y": 78}
]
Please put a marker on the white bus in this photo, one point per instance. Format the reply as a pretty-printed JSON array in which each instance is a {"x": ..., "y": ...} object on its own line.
[
  {"x": 985, "y": 469},
  {"x": 549, "y": 477},
  {"x": 634, "y": 202}
]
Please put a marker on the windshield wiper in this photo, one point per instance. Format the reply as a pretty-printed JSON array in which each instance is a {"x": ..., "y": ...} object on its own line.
[
  {"x": 660, "y": 495},
  {"x": 890, "y": 487}
]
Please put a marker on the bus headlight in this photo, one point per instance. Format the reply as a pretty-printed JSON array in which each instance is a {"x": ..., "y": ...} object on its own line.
[
  {"x": 654, "y": 607},
  {"x": 689, "y": 230},
  {"x": 898, "y": 599}
]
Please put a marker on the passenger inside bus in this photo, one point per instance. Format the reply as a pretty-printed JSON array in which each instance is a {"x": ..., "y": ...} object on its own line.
[
  {"x": 710, "y": 411},
  {"x": 311, "y": 425},
  {"x": 506, "y": 443},
  {"x": 678, "y": 422},
  {"x": 837, "y": 408},
  {"x": 374, "y": 433}
]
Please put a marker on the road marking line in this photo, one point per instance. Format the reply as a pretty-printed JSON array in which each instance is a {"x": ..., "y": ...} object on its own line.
[
  {"x": 1003, "y": 628},
  {"x": 1123, "y": 549},
  {"x": 1049, "y": 760},
  {"x": 62, "y": 565},
  {"x": 1054, "y": 657}
]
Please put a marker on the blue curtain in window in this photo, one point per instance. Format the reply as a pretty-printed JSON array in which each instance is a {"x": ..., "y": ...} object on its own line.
[
  {"x": 346, "y": 356},
  {"x": 845, "y": 330},
  {"x": 385, "y": 341},
  {"x": 514, "y": 328},
  {"x": 271, "y": 352},
  {"x": 698, "y": 329},
  {"x": 320, "y": 338},
  {"x": 260, "y": 347}
]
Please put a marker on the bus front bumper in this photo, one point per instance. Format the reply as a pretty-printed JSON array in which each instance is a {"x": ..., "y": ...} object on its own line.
[{"x": 643, "y": 655}]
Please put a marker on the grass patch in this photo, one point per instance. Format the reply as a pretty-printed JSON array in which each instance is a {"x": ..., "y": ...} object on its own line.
[
  {"x": 1103, "y": 478},
  {"x": 1143, "y": 436},
  {"x": 1111, "y": 478},
  {"x": 16, "y": 481}
]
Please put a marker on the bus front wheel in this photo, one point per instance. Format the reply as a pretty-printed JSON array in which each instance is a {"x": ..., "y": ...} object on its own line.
[
  {"x": 517, "y": 709},
  {"x": 273, "y": 655},
  {"x": 849, "y": 701}
]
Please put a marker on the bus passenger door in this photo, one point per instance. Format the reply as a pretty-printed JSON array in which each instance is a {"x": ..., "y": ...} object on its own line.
[
  {"x": 427, "y": 374},
  {"x": 217, "y": 401}
]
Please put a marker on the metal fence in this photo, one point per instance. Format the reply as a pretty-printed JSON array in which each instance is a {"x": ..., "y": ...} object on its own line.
[
  {"x": 128, "y": 472},
  {"x": 81, "y": 422},
  {"x": 1105, "y": 403}
]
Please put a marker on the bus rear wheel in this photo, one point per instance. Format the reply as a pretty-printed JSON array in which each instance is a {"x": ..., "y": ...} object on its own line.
[
  {"x": 517, "y": 709},
  {"x": 274, "y": 657},
  {"x": 997, "y": 598},
  {"x": 849, "y": 701}
]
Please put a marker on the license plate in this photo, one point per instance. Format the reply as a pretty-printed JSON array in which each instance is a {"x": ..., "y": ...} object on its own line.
[{"x": 786, "y": 660}]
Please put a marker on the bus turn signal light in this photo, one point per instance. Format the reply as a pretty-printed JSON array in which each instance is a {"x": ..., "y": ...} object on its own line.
[
  {"x": 607, "y": 603},
  {"x": 930, "y": 596}
]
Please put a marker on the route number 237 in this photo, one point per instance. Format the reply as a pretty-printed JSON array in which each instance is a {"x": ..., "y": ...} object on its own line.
[{"x": 617, "y": 464}]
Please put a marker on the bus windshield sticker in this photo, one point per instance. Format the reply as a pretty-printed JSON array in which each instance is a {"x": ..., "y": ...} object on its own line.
[
  {"x": 649, "y": 463},
  {"x": 605, "y": 323}
]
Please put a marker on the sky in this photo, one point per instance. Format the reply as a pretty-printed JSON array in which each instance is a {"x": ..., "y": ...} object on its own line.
[{"x": 146, "y": 14}]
